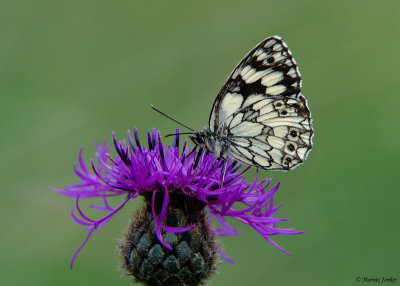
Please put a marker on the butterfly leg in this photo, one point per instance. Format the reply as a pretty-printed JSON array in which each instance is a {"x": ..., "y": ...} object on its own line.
[
  {"x": 202, "y": 152},
  {"x": 190, "y": 153},
  {"x": 199, "y": 159},
  {"x": 223, "y": 171}
]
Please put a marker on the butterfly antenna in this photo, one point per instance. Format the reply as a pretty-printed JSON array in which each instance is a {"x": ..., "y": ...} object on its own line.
[
  {"x": 174, "y": 134},
  {"x": 169, "y": 117}
]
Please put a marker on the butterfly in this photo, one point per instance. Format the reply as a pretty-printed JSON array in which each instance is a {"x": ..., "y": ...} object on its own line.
[{"x": 260, "y": 117}]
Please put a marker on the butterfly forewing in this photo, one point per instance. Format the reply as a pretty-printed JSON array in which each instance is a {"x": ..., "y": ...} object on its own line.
[
  {"x": 267, "y": 70},
  {"x": 261, "y": 112}
]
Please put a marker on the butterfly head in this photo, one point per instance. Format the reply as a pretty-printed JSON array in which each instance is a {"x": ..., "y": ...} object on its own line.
[
  {"x": 198, "y": 138},
  {"x": 204, "y": 138},
  {"x": 211, "y": 141}
]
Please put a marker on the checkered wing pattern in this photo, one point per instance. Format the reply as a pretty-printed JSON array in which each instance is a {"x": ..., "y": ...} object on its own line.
[{"x": 261, "y": 112}]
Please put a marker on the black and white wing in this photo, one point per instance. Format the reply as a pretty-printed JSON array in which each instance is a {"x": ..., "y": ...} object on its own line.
[{"x": 261, "y": 112}]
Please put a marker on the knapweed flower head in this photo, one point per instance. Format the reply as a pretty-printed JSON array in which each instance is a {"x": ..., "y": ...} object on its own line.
[{"x": 183, "y": 190}]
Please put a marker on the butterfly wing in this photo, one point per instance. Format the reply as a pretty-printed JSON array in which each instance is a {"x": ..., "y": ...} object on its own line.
[
  {"x": 261, "y": 110},
  {"x": 271, "y": 134}
]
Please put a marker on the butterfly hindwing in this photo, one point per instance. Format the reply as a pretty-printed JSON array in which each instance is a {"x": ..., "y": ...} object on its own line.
[
  {"x": 261, "y": 112},
  {"x": 271, "y": 134}
]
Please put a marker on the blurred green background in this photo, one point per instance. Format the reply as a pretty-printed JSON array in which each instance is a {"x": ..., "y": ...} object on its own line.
[{"x": 73, "y": 71}]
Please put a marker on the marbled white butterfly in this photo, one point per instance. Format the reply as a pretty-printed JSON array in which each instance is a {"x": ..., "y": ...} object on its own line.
[{"x": 260, "y": 116}]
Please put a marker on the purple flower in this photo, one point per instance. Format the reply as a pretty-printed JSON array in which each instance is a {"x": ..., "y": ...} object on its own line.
[{"x": 160, "y": 172}]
